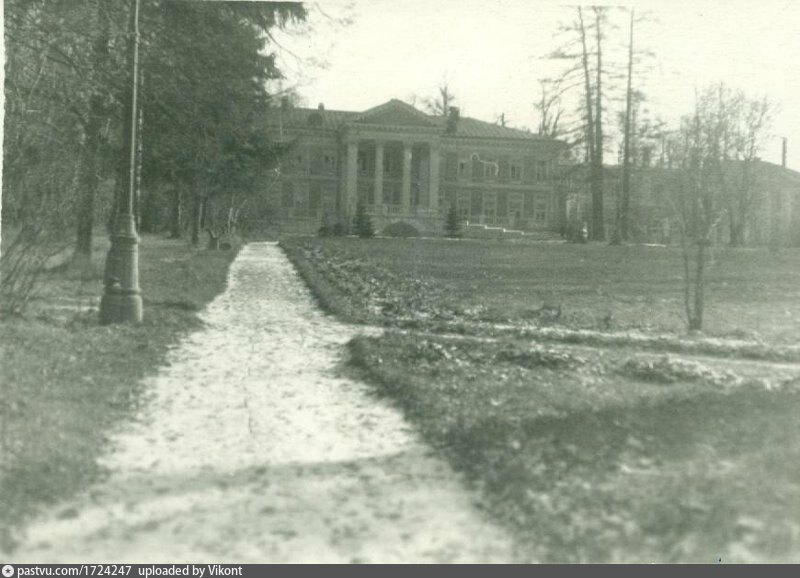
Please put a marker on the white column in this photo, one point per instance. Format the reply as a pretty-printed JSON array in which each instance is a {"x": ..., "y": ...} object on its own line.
[
  {"x": 433, "y": 178},
  {"x": 406, "y": 197},
  {"x": 351, "y": 191},
  {"x": 379, "y": 176}
]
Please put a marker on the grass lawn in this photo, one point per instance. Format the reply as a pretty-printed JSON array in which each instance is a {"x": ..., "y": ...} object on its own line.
[
  {"x": 605, "y": 456},
  {"x": 752, "y": 293},
  {"x": 67, "y": 382},
  {"x": 613, "y": 453}
]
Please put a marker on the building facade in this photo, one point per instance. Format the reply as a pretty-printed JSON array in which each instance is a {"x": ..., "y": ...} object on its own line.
[
  {"x": 771, "y": 215},
  {"x": 407, "y": 167}
]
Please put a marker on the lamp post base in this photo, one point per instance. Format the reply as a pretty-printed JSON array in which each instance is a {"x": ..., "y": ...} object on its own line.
[
  {"x": 120, "y": 308},
  {"x": 122, "y": 299}
]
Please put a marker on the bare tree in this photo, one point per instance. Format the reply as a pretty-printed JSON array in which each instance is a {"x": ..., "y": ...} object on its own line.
[
  {"x": 598, "y": 232},
  {"x": 440, "y": 105},
  {"x": 98, "y": 114},
  {"x": 623, "y": 213},
  {"x": 591, "y": 142},
  {"x": 749, "y": 123},
  {"x": 593, "y": 76},
  {"x": 549, "y": 107},
  {"x": 714, "y": 151}
]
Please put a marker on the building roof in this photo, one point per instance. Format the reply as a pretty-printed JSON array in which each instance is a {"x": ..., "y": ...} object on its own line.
[
  {"x": 783, "y": 172},
  {"x": 392, "y": 112},
  {"x": 331, "y": 119}
]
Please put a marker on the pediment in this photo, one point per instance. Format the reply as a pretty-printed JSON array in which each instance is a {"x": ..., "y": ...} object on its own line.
[{"x": 397, "y": 113}]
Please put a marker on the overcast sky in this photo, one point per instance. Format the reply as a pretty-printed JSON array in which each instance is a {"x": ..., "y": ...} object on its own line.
[{"x": 490, "y": 54}]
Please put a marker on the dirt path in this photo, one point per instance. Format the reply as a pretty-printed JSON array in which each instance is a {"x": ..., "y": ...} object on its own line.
[{"x": 252, "y": 449}]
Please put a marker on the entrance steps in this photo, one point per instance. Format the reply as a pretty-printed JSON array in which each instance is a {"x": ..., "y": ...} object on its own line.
[{"x": 480, "y": 231}]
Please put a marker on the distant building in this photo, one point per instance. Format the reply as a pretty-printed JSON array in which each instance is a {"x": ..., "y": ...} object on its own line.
[
  {"x": 409, "y": 167},
  {"x": 772, "y": 212}
]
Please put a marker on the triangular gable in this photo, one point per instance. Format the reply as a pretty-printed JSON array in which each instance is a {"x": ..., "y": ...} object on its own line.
[{"x": 396, "y": 112}]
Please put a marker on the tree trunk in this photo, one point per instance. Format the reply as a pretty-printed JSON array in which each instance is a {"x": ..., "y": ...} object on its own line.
[
  {"x": 598, "y": 220},
  {"x": 230, "y": 223},
  {"x": 88, "y": 179},
  {"x": 687, "y": 279},
  {"x": 624, "y": 208},
  {"x": 197, "y": 210},
  {"x": 588, "y": 93},
  {"x": 176, "y": 215},
  {"x": 694, "y": 261},
  {"x": 206, "y": 217},
  {"x": 590, "y": 124},
  {"x": 87, "y": 191},
  {"x": 696, "y": 323}
]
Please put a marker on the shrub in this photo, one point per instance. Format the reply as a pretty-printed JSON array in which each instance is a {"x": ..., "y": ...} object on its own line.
[
  {"x": 452, "y": 223},
  {"x": 362, "y": 223},
  {"x": 400, "y": 230},
  {"x": 332, "y": 230}
]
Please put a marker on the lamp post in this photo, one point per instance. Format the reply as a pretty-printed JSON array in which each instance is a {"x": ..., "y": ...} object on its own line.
[{"x": 122, "y": 300}]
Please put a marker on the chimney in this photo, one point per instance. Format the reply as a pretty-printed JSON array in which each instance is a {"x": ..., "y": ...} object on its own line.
[
  {"x": 321, "y": 107},
  {"x": 783, "y": 154},
  {"x": 452, "y": 119}
]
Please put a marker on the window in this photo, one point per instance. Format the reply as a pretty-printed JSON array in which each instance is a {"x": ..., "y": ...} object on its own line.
[
  {"x": 463, "y": 171},
  {"x": 329, "y": 197},
  {"x": 490, "y": 169},
  {"x": 476, "y": 204},
  {"x": 365, "y": 192},
  {"x": 541, "y": 171},
  {"x": 451, "y": 167},
  {"x": 463, "y": 204},
  {"x": 362, "y": 163},
  {"x": 490, "y": 207},
  {"x": 389, "y": 163},
  {"x": 540, "y": 211},
  {"x": 315, "y": 161},
  {"x": 416, "y": 193},
  {"x": 515, "y": 170},
  {"x": 329, "y": 162},
  {"x": 502, "y": 204},
  {"x": 389, "y": 195}
]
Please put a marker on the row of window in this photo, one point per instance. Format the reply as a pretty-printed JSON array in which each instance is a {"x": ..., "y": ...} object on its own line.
[
  {"x": 477, "y": 167},
  {"x": 392, "y": 194},
  {"x": 511, "y": 207},
  {"x": 317, "y": 162},
  {"x": 313, "y": 197},
  {"x": 474, "y": 167},
  {"x": 471, "y": 205}
]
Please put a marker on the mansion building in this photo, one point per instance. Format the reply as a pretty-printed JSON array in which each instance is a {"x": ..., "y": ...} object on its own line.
[{"x": 409, "y": 167}]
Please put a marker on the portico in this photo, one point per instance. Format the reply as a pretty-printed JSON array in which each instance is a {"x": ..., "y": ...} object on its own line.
[{"x": 392, "y": 177}]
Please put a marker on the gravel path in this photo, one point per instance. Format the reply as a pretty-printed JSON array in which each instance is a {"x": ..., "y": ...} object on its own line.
[{"x": 251, "y": 448}]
